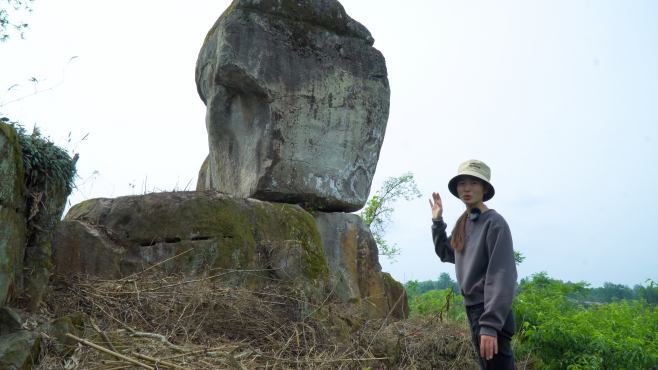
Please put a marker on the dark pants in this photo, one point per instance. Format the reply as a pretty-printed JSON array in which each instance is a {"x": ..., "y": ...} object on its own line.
[{"x": 504, "y": 360}]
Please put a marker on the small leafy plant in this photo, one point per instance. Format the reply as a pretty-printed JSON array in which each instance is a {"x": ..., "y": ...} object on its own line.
[{"x": 378, "y": 210}]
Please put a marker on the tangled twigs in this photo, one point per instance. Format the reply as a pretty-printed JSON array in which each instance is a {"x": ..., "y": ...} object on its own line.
[
  {"x": 385, "y": 321},
  {"x": 215, "y": 322},
  {"x": 155, "y": 265},
  {"x": 103, "y": 334},
  {"x": 158, "y": 362},
  {"x": 200, "y": 351},
  {"x": 114, "y": 318},
  {"x": 161, "y": 338},
  {"x": 109, "y": 352}
]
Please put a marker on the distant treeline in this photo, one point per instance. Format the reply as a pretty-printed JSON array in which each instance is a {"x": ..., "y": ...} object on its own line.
[
  {"x": 415, "y": 287},
  {"x": 609, "y": 292}
]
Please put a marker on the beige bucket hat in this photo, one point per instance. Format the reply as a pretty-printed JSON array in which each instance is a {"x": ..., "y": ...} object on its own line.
[{"x": 474, "y": 168}]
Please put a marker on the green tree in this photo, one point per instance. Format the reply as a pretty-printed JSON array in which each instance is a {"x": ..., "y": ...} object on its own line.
[
  {"x": 445, "y": 282},
  {"x": 411, "y": 287},
  {"x": 9, "y": 11},
  {"x": 649, "y": 293},
  {"x": 415, "y": 288},
  {"x": 610, "y": 292},
  {"x": 518, "y": 257},
  {"x": 379, "y": 208}
]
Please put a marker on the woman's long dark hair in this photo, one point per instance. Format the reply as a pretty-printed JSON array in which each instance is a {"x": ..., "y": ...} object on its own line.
[{"x": 457, "y": 236}]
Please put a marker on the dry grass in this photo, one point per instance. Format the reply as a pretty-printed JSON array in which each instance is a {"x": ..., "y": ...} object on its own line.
[
  {"x": 179, "y": 322},
  {"x": 423, "y": 343}
]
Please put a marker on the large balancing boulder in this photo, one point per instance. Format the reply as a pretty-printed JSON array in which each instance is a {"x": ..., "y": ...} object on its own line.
[{"x": 297, "y": 103}]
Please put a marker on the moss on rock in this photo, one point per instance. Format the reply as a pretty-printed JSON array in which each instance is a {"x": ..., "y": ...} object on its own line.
[
  {"x": 19, "y": 350},
  {"x": 58, "y": 329},
  {"x": 46, "y": 205},
  {"x": 12, "y": 212},
  {"x": 249, "y": 242},
  {"x": 205, "y": 230},
  {"x": 12, "y": 174},
  {"x": 291, "y": 221}
]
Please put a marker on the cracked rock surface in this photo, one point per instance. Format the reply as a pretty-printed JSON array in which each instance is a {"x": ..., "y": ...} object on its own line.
[
  {"x": 297, "y": 103},
  {"x": 191, "y": 232}
]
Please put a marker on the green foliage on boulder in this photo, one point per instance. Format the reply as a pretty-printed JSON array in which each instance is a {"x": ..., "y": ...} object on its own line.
[
  {"x": 41, "y": 182},
  {"x": 46, "y": 165}
]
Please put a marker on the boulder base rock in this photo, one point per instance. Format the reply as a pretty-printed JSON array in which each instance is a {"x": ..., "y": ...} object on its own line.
[
  {"x": 19, "y": 350},
  {"x": 297, "y": 104},
  {"x": 13, "y": 232},
  {"x": 10, "y": 321},
  {"x": 192, "y": 232},
  {"x": 353, "y": 260},
  {"x": 89, "y": 250},
  {"x": 31, "y": 204}
]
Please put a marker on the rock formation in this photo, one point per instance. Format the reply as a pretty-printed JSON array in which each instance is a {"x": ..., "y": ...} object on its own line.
[
  {"x": 297, "y": 103},
  {"x": 352, "y": 256},
  {"x": 22, "y": 349},
  {"x": 34, "y": 184},
  {"x": 115, "y": 237},
  {"x": 28, "y": 215},
  {"x": 194, "y": 232},
  {"x": 12, "y": 210}
]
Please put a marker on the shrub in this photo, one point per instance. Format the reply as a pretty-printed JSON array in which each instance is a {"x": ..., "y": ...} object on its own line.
[
  {"x": 45, "y": 163},
  {"x": 444, "y": 303},
  {"x": 560, "y": 333}
]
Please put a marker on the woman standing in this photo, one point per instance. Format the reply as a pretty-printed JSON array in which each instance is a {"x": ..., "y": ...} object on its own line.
[{"x": 480, "y": 246}]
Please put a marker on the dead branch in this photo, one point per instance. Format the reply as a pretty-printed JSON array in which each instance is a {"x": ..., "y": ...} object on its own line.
[{"x": 109, "y": 352}]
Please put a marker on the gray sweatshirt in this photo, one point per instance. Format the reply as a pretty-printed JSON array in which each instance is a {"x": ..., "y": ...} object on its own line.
[{"x": 485, "y": 268}]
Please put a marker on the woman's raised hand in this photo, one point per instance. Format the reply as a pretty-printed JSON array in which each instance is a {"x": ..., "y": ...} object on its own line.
[{"x": 437, "y": 206}]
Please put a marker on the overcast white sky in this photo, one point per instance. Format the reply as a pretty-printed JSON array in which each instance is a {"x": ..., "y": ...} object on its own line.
[{"x": 559, "y": 97}]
